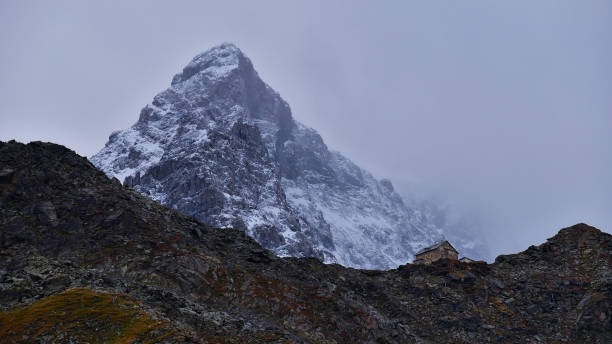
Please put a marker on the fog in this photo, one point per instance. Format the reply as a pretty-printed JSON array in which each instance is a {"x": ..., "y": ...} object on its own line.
[{"x": 501, "y": 110}]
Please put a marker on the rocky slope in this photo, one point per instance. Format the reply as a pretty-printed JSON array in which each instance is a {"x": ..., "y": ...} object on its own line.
[
  {"x": 222, "y": 146},
  {"x": 113, "y": 263}
]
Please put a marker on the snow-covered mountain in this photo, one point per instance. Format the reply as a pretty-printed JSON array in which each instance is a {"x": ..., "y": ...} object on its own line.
[{"x": 222, "y": 146}]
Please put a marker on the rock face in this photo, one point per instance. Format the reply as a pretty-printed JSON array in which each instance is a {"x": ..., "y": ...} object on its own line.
[
  {"x": 75, "y": 243},
  {"x": 220, "y": 145}
]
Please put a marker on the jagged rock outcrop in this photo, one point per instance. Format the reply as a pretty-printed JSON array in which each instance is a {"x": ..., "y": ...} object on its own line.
[
  {"x": 65, "y": 225},
  {"x": 220, "y": 145}
]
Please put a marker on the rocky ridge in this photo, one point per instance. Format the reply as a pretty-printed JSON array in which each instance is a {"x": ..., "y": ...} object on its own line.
[
  {"x": 222, "y": 146},
  {"x": 70, "y": 234}
]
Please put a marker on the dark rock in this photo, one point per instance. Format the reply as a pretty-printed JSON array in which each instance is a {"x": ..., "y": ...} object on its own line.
[
  {"x": 46, "y": 213},
  {"x": 497, "y": 283},
  {"x": 219, "y": 285},
  {"x": 6, "y": 175},
  {"x": 532, "y": 309}
]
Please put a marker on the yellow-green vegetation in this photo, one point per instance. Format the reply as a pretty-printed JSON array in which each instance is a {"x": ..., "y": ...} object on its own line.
[{"x": 84, "y": 316}]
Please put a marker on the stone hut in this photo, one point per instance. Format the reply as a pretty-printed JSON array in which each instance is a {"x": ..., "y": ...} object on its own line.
[
  {"x": 469, "y": 260},
  {"x": 435, "y": 252}
]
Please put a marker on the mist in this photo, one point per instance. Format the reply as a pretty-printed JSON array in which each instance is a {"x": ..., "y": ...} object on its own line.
[{"x": 500, "y": 111}]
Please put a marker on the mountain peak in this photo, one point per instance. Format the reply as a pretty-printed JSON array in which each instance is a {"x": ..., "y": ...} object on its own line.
[
  {"x": 217, "y": 62},
  {"x": 222, "y": 146},
  {"x": 577, "y": 233}
]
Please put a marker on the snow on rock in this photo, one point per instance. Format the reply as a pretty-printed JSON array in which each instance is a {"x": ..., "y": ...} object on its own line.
[{"x": 222, "y": 146}]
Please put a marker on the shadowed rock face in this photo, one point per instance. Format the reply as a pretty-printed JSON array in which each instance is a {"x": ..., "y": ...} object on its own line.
[
  {"x": 222, "y": 146},
  {"x": 64, "y": 224}
]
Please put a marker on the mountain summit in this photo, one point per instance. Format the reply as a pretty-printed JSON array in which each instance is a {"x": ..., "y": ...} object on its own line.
[{"x": 221, "y": 145}]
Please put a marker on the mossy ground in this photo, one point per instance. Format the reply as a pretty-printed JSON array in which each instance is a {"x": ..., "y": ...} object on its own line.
[{"x": 84, "y": 316}]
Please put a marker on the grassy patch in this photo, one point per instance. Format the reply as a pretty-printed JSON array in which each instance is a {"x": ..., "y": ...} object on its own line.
[{"x": 82, "y": 315}]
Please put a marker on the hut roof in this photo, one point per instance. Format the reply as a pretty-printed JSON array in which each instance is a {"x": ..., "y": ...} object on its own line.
[{"x": 435, "y": 246}]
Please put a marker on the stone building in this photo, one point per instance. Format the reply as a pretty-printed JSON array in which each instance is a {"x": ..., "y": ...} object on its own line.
[
  {"x": 435, "y": 252},
  {"x": 468, "y": 260}
]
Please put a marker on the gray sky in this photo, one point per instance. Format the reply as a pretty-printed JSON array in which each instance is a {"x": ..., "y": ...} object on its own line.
[{"x": 502, "y": 109}]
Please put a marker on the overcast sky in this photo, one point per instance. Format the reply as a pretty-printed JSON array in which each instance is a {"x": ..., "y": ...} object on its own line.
[{"x": 502, "y": 109}]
